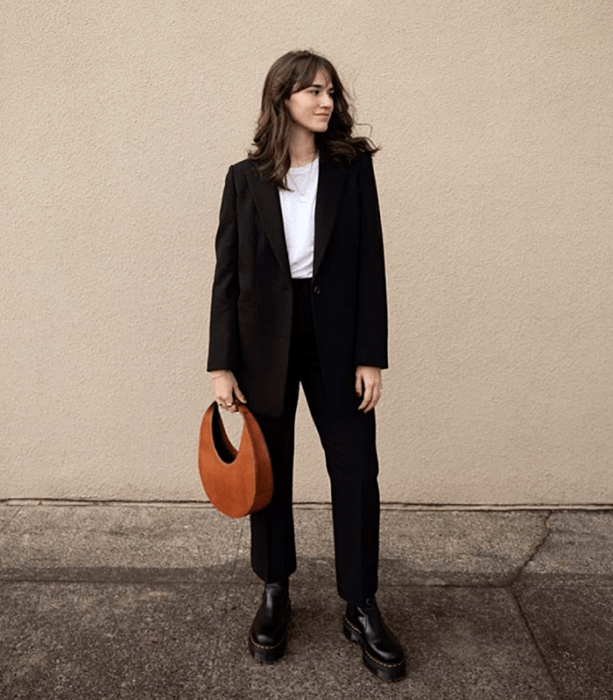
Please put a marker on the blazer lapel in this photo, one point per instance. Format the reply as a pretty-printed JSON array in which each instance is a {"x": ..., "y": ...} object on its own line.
[
  {"x": 268, "y": 205},
  {"x": 329, "y": 187},
  {"x": 266, "y": 196}
]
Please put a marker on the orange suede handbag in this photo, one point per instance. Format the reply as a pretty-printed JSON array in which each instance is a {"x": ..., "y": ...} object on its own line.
[{"x": 237, "y": 482}]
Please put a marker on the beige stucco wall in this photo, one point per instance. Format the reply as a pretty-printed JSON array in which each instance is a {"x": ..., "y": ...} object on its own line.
[{"x": 119, "y": 120}]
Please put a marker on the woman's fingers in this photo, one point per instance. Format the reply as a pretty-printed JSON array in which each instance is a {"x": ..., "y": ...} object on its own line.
[
  {"x": 373, "y": 401},
  {"x": 368, "y": 384},
  {"x": 366, "y": 399},
  {"x": 370, "y": 399}
]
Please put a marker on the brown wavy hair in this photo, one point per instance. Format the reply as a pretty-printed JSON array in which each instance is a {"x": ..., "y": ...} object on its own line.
[{"x": 293, "y": 72}]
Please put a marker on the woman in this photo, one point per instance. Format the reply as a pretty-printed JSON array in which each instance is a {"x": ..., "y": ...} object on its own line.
[{"x": 299, "y": 298}]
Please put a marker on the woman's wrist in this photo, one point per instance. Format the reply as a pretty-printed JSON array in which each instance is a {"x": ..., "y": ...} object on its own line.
[{"x": 216, "y": 373}]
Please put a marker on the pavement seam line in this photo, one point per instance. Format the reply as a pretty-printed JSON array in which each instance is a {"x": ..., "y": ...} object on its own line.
[
  {"x": 537, "y": 646},
  {"x": 10, "y": 520},
  {"x": 393, "y": 506},
  {"x": 535, "y": 550}
]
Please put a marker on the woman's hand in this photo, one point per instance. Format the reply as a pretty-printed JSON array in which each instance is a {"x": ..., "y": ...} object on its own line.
[
  {"x": 368, "y": 385},
  {"x": 226, "y": 389}
]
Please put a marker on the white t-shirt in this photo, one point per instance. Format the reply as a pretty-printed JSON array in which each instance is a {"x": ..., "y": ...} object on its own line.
[{"x": 298, "y": 209}]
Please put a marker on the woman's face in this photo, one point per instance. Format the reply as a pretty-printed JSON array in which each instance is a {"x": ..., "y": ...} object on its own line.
[{"x": 311, "y": 108}]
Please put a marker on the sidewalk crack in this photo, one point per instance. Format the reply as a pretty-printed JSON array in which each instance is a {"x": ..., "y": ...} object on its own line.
[{"x": 536, "y": 549}]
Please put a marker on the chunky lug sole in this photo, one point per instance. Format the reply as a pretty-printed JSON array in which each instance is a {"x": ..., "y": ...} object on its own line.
[
  {"x": 389, "y": 672},
  {"x": 267, "y": 653}
]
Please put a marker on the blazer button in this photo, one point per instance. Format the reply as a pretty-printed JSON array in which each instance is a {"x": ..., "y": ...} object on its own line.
[{"x": 317, "y": 289}]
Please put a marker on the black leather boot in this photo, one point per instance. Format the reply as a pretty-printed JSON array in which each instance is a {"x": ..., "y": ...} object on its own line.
[
  {"x": 381, "y": 651},
  {"x": 268, "y": 636}
]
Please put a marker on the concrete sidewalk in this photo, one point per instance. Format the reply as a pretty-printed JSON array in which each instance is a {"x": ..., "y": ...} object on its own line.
[{"x": 148, "y": 602}]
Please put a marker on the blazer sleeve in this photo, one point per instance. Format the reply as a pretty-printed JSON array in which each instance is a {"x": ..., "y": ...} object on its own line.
[
  {"x": 224, "y": 350},
  {"x": 372, "y": 331}
]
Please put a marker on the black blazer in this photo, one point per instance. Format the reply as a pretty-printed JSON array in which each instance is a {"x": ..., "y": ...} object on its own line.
[{"x": 251, "y": 310}]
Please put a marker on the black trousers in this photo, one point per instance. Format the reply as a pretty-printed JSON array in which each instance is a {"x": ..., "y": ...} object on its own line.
[{"x": 349, "y": 444}]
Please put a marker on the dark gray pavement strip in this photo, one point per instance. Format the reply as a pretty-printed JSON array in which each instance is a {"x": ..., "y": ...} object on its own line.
[
  {"x": 573, "y": 628},
  {"x": 461, "y": 643},
  {"x": 75, "y": 641},
  {"x": 69, "y": 641}
]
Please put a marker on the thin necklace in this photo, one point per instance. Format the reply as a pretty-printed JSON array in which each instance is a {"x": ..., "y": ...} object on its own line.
[{"x": 306, "y": 187}]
